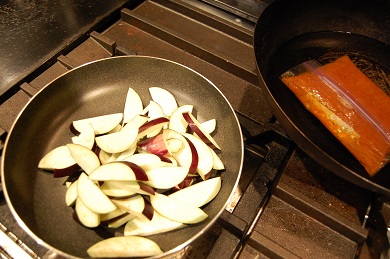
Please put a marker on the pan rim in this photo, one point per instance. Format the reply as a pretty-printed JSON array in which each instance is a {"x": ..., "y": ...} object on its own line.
[{"x": 169, "y": 252}]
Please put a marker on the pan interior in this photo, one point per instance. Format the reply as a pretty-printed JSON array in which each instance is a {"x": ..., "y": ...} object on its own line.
[
  {"x": 37, "y": 200},
  {"x": 369, "y": 55}
]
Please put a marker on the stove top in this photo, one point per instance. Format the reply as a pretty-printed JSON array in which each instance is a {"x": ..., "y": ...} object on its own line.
[
  {"x": 286, "y": 205},
  {"x": 34, "y": 32}
]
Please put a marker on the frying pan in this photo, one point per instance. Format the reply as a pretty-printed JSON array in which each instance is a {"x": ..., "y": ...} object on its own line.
[
  {"x": 36, "y": 199},
  {"x": 288, "y": 33}
]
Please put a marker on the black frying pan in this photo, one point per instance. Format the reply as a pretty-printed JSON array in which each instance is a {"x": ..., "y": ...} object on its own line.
[
  {"x": 36, "y": 199},
  {"x": 291, "y": 32}
]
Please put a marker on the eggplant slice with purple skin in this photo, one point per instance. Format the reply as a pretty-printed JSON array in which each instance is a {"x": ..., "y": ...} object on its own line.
[{"x": 37, "y": 200}]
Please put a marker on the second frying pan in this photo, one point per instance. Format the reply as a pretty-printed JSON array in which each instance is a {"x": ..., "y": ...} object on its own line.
[{"x": 291, "y": 32}]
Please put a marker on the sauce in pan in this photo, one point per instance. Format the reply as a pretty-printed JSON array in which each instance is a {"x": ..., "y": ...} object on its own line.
[{"x": 350, "y": 106}]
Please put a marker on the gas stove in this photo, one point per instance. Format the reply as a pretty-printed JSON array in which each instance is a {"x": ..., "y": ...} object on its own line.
[{"x": 286, "y": 205}]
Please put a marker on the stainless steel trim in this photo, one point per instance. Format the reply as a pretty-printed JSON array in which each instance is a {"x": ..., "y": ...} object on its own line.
[{"x": 12, "y": 247}]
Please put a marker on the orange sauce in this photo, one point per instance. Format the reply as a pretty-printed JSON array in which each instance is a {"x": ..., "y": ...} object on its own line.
[{"x": 360, "y": 136}]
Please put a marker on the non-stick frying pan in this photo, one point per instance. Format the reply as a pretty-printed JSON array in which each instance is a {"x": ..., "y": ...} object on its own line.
[
  {"x": 37, "y": 200},
  {"x": 291, "y": 32}
]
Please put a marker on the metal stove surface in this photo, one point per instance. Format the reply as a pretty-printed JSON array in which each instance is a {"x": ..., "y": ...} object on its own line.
[
  {"x": 286, "y": 206},
  {"x": 33, "y": 32}
]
